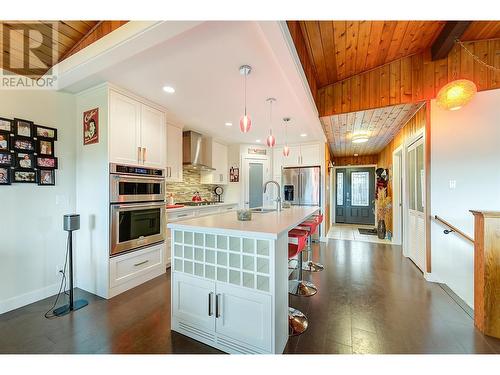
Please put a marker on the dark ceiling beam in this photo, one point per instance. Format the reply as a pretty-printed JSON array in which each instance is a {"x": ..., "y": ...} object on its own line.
[{"x": 445, "y": 41}]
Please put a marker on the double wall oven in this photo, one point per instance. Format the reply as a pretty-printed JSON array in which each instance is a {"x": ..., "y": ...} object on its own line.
[{"x": 137, "y": 213}]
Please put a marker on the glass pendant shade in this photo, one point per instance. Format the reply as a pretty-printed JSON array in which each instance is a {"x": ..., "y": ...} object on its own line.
[
  {"x": 286, "y": 151},
  {"x": 245, "y": 123},
  {"x": 271, "y": 140},
  {"x": 456, "y": 94}
]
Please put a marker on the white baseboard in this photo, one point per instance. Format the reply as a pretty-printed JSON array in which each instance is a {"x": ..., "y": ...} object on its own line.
[{"x": 27, "y": 298}]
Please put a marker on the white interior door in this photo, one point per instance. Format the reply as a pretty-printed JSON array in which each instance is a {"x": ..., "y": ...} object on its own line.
[
  {"x": 397, "y": 193},
  {"x": 415, "y": 181},
  {"x": 255, "y": 173}
]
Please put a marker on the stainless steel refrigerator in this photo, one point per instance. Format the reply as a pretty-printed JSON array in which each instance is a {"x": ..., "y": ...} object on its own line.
[{"x": 302, "y": 186}]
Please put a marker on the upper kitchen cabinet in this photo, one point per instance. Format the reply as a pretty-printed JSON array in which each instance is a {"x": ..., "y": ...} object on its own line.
[
  {"x": 137, "y": 132},
  {"x": 216, "y": 157},
  {"x": 301, "y": 155},
  {"x": 173, "y": 171}
]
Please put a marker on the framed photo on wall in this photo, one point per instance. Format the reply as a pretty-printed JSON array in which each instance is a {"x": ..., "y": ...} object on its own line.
[
  {"x": 4, "y": 141},
  {"x": 46, "y": 162},
  {"x": 91, "y": 126},
  {"x": 6, "y": 158},
  {"x": 25, "y": 161},
  {"x": 22, "y": 144},
  {"x": 45, "y": 132},
  {"x": 45, "y": 147},
  {"x": 23, "y": 128},
  {"x": 21, "y": 175},
  {"x": 6, "y": 125},
  {"x": 4, "y": 175},
  {"x": 46, "y": 177}
]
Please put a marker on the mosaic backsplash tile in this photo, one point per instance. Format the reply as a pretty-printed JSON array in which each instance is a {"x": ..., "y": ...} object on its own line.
[{"x": 184, "y": 191}]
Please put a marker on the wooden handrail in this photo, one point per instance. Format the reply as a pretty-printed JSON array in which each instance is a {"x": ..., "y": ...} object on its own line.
[{"x": 453, "y": 229}]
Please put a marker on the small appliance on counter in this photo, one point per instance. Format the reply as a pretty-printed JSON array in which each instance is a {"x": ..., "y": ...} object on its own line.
[
  {"x": 197, "y": 197},
  {"x": 170, "y": 199},
  {"x": 218, "y": 191}
]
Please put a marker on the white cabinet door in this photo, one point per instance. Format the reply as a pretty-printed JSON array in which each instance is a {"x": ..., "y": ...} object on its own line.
[
  {"x": 293, "y": 159},
  {"x": 173, "y": 172},
  {"x": 124, "y": 129},
  {"x": 193, "y": 301},
  {"x": 277, "y": 160},
  {"x": 153, "y": 134},
  {"x": 244, "y": 315},
  {"x": 310, "y": 155},
  {"x": 219, "y": 157}
]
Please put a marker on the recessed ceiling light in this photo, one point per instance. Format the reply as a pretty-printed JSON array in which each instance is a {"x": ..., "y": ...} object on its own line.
[
  {"x": 303, "y": 135},
  {"x": 258, "y": 140},
  {"x": 168, "y": 89},
  {"x": 355, "y": 154},
  {"x": 228, "y": 124}
]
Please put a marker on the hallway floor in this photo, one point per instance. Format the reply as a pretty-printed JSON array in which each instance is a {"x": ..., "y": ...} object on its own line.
[
  {"x": 371, "y": 300},
  {"x": 350, "y": 232}
]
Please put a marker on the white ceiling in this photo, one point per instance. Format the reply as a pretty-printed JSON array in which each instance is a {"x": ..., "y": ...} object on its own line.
[{"x": 202, "y": 64}]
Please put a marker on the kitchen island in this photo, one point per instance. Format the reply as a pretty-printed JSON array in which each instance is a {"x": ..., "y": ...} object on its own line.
[{"x": 230, "y": 279}]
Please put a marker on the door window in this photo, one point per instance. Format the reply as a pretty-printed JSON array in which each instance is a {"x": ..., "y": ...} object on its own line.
[
  {"x": 255, "y": 185},
  {"x": 360, "y": 185},
  {"x": 340, "y": 188}
]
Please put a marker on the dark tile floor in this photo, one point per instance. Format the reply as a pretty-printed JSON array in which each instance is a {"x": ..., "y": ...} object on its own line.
[{"x": 370, "y": 300}]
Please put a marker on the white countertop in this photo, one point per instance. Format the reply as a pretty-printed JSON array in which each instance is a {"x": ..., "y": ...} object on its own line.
[
  {"x": 191, "y": 208},
  {"x": 266, "y": 225}
]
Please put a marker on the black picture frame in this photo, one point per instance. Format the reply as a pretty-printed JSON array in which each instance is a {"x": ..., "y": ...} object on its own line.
[
  {"x": 22, "y": 159},
  {"x": 6, "y": 128},
  {"x": 42, "y": 177},
  {"x": 17, "y": 173},
  {"x": 42, "y": 147},
  {"x": 6, "y": 158},
  {"x": 39, "y": 132},
  {"x": 4, "y": 141},
  {"x": 5, "y": 176},
  {"x": 41, "y": 162},
  {"x": 15, "y": 145},
  {"x": 23, "y": 128}
]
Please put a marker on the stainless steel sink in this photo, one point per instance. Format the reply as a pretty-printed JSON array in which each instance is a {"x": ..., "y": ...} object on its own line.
[{"x": 261, "y": 210}]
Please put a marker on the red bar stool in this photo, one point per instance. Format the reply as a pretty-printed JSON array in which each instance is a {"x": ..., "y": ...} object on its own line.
[
  {"x": 297, "y": 321},
  {"x": 312, "y": 227},
  {"x": 299, "y": 287}
]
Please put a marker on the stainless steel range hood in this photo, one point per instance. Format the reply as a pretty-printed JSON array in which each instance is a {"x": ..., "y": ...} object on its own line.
[{"x": 193, "y": 154}]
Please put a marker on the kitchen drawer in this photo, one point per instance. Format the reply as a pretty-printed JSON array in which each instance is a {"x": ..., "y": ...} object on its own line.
[
  {"x": 210, "y": 210},
  {"x": 125, "y": 267},
  {"x": 175, "y": 216},
  {"x": 228, "y": 208}
]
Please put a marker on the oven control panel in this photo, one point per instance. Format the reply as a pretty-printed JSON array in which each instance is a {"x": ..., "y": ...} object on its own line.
[{"x": 138, "y": 171}]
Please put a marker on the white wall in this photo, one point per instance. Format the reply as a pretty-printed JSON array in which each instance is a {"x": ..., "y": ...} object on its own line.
[
  {"x": 33, "y": 242},
  {"x": 464, "y": 148}
]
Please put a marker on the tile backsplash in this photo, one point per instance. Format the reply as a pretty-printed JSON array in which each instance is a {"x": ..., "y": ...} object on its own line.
[{"x": 184, "y": 191}]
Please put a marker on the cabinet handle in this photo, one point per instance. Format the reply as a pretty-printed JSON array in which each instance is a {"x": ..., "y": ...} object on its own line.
[
  {"x": 182, "y": 215},
  {"x": 144, "y": 154},
  {"x": 217, "y": 309},
  {"x": 170, "y": 171},
  {"x": 210, "y": 313},
  {"x": 141, "y": 263},
  {"x": 138, "y": 154}
]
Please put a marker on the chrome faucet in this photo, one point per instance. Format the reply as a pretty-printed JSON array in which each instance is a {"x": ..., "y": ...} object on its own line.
[{"x": 278, "y": 198}]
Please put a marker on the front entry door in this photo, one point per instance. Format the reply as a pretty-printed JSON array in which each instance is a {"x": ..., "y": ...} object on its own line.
[{"x": 355, "y": 194}]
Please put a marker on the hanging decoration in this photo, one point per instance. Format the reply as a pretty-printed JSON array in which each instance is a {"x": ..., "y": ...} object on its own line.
[
  {"x": 458, "y": 92},
  {"x": 245, "y": 121},
  {"x": 286, "y": 149},
  {"x": 271, "y": 140}
]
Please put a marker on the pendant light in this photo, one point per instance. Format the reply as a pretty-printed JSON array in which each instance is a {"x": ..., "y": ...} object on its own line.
[
  {"x": 286, "y": 149},
  {"x": 245, "y": 121},
  {"x": 271, "y": 140},
  {"x": 458, "y": 92}
]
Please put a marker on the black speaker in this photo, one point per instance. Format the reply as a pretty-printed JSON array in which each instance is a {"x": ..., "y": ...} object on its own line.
[{"x": 71, "y": 222}]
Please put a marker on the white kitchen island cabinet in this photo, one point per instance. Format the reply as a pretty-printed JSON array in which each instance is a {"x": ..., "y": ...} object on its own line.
[{"x": 230, "y": 279}]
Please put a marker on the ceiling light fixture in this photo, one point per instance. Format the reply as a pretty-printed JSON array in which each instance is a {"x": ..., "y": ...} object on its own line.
[
  {"x": 303, "y": 135},
  {"x": 168, "y": 89},
  {"x": 245, "y": 121},
  {"x": 271, "y": 139},
  {"x": 228, "y": 124},
  {"x": 360, "y": 138},
  {"x": 286, "y": 149},
  {"x": 258, "y": 140}
]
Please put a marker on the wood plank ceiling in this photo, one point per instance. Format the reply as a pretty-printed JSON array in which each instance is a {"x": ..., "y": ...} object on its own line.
[
  {"x": 70, "y": 36},
  {"x": 380, "y": 124}
]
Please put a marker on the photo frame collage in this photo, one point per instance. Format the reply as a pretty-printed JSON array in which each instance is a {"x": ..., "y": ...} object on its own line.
[{"x": 27, "y": 153}]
